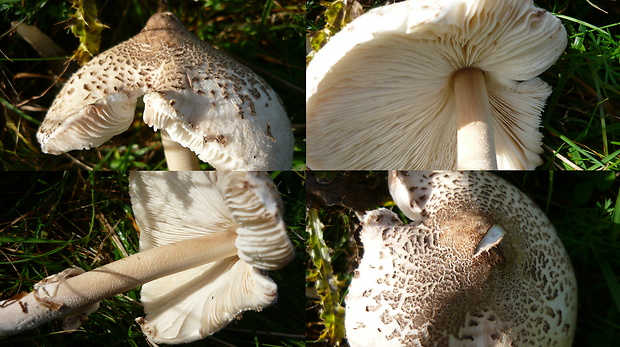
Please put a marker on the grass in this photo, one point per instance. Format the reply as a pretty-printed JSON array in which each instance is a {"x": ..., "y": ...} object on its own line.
[
  {"x": 581, "y": 119},
  {"x": 336, "y": 198},
  {"x": 580, "y": 123},
  {"x": 50, "y": 221},
  {"x": 583, "y": 206},
  {"x": 264, "y": 35}
]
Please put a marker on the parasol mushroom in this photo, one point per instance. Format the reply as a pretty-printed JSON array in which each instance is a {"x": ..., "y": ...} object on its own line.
[
  {"x": 481, "y": 265},
  {"x": 430, "y": 84},
  {"x": 246, "y": 204},
  {"x": 222, "y": 267},
  {"x": 201, "y": 99}
]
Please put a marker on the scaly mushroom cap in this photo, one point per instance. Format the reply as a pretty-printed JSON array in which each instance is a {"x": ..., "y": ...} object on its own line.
[
  {"x": 205, "y": 100},
  {"x": 380, "y": 94},
  {"x": 174, "y": 206},
  {"x": 482, "y": 265}
]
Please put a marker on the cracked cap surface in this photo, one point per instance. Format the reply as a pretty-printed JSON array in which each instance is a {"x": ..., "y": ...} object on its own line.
[{"x": 430, "y": 283}]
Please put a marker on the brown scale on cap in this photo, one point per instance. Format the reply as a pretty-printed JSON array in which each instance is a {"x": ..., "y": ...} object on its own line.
[
  {"x": 482, "y": 266},
  {"x": 184, "y": 82}
]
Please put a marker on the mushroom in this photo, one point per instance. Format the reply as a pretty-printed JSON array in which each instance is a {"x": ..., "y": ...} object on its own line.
[
  {"x": 201, "y": 99},
  {"x": 246, "y": 204},
  {"x": 480, "y": 265},
  {"x": 430, "y": 84},
  {"x": 207, "y": 239}
]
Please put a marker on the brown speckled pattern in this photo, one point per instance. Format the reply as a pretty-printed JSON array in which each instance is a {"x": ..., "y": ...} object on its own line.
[
  {"x": 195, "y": 92},
  {"x": 422, "y": 285}
]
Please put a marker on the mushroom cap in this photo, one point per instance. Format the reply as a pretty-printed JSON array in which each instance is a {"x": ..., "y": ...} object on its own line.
[
  {"x": 174, "y": 206},
  {"x": 379, "y": 94},
  {"x": 482, "y": 266},
  {"x": 207, "y": 101}
]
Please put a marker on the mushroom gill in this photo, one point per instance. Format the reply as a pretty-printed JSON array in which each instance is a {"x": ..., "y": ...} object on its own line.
[{"x": 431, "y": 84}]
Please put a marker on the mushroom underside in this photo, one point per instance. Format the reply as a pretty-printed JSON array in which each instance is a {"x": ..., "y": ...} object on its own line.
[{"x": 395, "y": 66}]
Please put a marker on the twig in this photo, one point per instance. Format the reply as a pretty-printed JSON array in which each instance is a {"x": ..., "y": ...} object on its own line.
[{"x": 562, "y": 158}]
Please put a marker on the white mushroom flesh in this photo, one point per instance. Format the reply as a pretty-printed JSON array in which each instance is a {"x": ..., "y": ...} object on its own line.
[{"x": 492, "y": 238}]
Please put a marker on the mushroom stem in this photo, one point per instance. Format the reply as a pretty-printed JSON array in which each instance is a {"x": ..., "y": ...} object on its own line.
[
  {"x": 178, "y": 158},
  {"x": 76, "y": 294},
  {"x": 475, "y": 143}
]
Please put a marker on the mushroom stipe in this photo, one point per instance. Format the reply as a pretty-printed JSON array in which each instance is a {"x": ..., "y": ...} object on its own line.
[
  {"x": 433, "y": 85},
  {"x": 475, "y": 142},
  {"x": 207, "y": 240},
  {"x": 55, "y": 300}
]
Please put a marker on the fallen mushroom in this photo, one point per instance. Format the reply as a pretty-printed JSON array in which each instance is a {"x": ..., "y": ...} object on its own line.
[
  {"x": 427, "y": 84},
  {"x": 245, "y": 203},
  {"x": 220, "y": 233},
  {"x": 201, "y": 99},
  {"x": 480, "y": 265}
]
